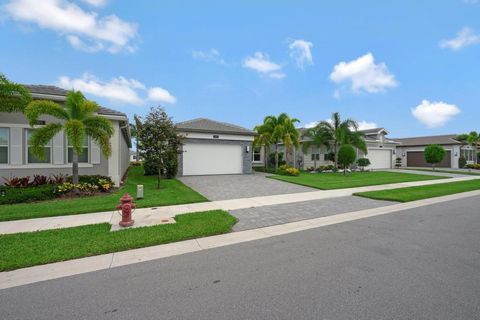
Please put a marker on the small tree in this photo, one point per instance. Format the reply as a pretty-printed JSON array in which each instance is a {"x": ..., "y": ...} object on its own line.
[
  {"x": 434, "y": 154},
  {"x": 159, "y": 142},
  {"x": 362, "y": 163},
  {"x": 13, "y": 96},
  {"x": 462, "y": 162},
  {"x": 398, "y": 162},
  {"x": 346, "y": 156}
]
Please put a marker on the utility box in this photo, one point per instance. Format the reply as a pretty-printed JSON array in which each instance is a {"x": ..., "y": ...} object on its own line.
[{"x": 140, "y": 191}]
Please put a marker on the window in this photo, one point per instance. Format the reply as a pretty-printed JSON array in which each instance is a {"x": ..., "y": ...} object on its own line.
[
  {"x": 82, "y": 157},
  {"x": 468, "y": 154},
  {"x": 31, "y": 157},
  {"x": 4, "y": 138},
  {"x": 315, "y": 156},
  {"x": 257, "y": 155}
]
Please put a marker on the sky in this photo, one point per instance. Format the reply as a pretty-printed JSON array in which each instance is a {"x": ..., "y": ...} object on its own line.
[{"x": 409, "y": 66}]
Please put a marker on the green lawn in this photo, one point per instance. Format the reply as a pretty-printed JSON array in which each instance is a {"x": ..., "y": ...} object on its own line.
[
  {"x": 171, "y": 192},
  {"x": 422, "y": 192},
  {"x": 28, "y": 249},
  {"x": 327, "y": 181}
]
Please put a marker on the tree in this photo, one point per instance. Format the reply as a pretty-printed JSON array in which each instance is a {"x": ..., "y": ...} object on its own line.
[
  {"x": 280, "y": 129},
  {"x": 346, "y": 156},
  {"x": 159, "y": 143},
  {"x": 77, "y": 119},
  {"x": 263, "y": 139},
  {"x": 134, "y": 128},
  {"x": 316, "y": 138},
  {"x": 342, "y": 132},
  {"x": 289, "y": 136},
  {"x": 13, "y": 96},
  {"x": 362, "y": 163},
  {"x": 434, "y": 154}
]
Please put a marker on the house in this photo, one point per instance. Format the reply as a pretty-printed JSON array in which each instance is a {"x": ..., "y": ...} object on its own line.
[
  {"x": 16, "y": 160},
  {"x": 411, "y": 151},
  {"x": 133, "y": 156},
  {"x": 212, "y": 147}
]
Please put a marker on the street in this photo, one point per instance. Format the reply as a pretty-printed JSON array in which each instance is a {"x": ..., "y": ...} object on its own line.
[{"x": 422, "y": 263}]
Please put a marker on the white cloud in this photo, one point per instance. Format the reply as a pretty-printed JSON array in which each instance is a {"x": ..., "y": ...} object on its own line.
[
  {"x": 363, "y": 75},
  {"x": 160, "y": 95},
  {"x": 96, "y": 3},
  {"x": 365, "y": 125},
  {"x": 300, "y": 50},
  {"x": 261, "y": 63},
  {"x": 465, "y": 37},
  {"x": 212, "y": 55},
  {"x": 120, "y": 89},
  {"x": 84, "y": 30},
  {"x": 434, "y": 114},
  {"x": 311, "y": 124},
  {"x": 471, "y": 1}
]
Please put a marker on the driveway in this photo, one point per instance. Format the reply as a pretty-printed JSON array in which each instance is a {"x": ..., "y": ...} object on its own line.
[{"x": 225, "y": 187}]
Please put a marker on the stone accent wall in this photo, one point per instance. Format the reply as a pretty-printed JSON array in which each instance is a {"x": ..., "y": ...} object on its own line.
[{"x": 247, "y": 157}]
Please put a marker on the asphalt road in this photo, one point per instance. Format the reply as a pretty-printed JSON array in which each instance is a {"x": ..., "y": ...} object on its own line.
[{"x": 416, "y": 264}]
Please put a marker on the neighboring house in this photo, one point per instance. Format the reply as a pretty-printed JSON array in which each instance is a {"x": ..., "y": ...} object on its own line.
[
  {"x": 133, "y": 156},
  {"x": 16, "y": 160},
  {"x": 211, "y": 147},
  {"x": 411, "y": 151}
]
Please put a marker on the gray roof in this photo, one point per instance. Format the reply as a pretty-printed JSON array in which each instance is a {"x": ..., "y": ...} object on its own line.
[
  {"x": 447, "y": 139},
  {"x": 366, "y": 131},
  {"x": 60, "y": 92},
  {"x": 212, "y": 126}
]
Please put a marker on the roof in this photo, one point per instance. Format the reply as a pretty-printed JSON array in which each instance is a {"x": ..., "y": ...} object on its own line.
[
  {"x": 212, "y": 126},
  {"x": 62, "y": 93},
  {"x": 447, "y": 139},
  {"x": 367, "y": 132}
]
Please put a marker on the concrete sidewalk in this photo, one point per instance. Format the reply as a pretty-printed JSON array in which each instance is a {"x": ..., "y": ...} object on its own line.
[
  {"x": 154, "y": 216},
  {"x": 107, "y": 261}
]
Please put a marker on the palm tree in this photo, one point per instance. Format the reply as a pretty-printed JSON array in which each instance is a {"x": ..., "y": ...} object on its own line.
[
  {"x": 263, "y": 139},
  {"x": 272, "y": 125},
  {"x": 78, "y": 119},
  {"x": 342, "y": 132},
  {"x": 289, "y": 135},
  {"x": 13, "y": 96},
  {"x": 316, "y": 138},
  {"x": 473, "y": 139},
  {"x": 134, "y": 128}
]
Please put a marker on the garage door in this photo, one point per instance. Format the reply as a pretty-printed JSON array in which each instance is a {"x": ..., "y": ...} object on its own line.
[
  {"x": 417, "y": 159},
  {"x": 205, "y": 159},
  {"x": 380, "y": 158}
]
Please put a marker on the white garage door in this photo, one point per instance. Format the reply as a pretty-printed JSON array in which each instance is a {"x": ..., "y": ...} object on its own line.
[
  {"x": 380, "y": 158},
  {"x": 204, "y": 159}
]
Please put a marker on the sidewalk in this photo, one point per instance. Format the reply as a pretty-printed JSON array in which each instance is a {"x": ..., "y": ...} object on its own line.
[
  {"x": 153, "y": 216},
  {"x": 108, "y": 261}
]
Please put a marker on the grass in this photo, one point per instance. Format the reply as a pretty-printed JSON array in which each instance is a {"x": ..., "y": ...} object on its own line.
[
  {"x": 328, "y": 181},
  {"x": 172, "y": 192},
  {"x": 422, "y": 192},
  {"x": 22, "y": 250},
  {"x": 470, "y": 173}
]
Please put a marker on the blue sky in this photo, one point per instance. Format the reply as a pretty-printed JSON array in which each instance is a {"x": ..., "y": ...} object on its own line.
[{"x": 409, "y": 66}]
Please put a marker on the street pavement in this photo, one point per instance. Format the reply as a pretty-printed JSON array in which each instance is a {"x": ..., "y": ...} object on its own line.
[{"x": 421, "y": 263}]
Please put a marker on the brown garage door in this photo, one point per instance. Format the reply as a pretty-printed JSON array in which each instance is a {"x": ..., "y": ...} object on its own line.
[{"x": 417, "y": 159}]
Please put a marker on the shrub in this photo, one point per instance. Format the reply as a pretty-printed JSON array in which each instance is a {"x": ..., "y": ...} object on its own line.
[
  {"x": 346, "y": 156},
  {"x": 398, "y": 162},
  {"x": 262, "y": 169},
  {"x": 271, "y": 159},
  {"x": 171, "y": 165},
  {"x": 57, "y": 178},
  {"x": 362, "y": 163},
  {"x": 104, "y": 183},
  {"x": 22, "y": 195},
  {"x": 462, "y": 162},
  {"x": 136, "y": 163},
  {"x": 473, "y": 166},
  {"x": 150, "y": 168},
  {"x": 39, "y": 180},
  {"x": 288, "y": 171},
  {"x": 17, "y": 182}
]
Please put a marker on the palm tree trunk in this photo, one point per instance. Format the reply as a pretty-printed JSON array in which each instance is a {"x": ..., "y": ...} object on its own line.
[
  {"x": 75, "y": 171},
  {"x": 276, "y": 155},
  {"x": 285, "y": 152},
  {"x": 294, "y": 157},
  {"x": 265, "y": 157},
  {"x": 335, "y": 154},
  {"x": 314, "y": 160}
]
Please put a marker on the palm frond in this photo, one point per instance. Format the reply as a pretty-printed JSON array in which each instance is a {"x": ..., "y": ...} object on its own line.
[
  {"x": 99, "y": 122},
  {"x": 75, "y": 132},
  {"x": 101, "y": 138},
  {"x": 75, "y": 101},
  {"x": 42, "y": 136},
  {"x": 37, "y": 108},
  {"x": 13, "y": 96}
]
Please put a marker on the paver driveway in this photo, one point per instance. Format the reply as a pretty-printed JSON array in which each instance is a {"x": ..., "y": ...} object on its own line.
[{"x": 224, "y": 187}]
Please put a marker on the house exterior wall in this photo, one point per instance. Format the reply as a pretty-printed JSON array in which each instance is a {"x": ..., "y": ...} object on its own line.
[
  {"x": 247, "y": 156},
  {"x": 17, "y": 165}
]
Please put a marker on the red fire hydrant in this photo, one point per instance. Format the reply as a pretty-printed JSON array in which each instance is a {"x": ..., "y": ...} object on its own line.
[{"x": 126, "y": 206}]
